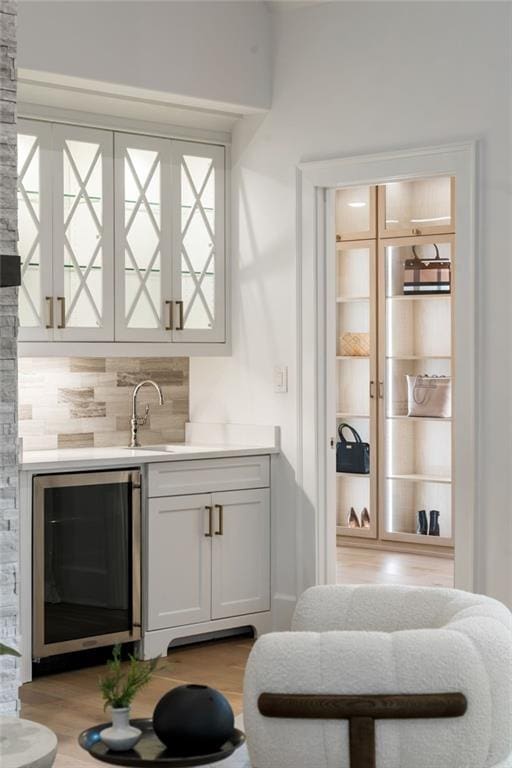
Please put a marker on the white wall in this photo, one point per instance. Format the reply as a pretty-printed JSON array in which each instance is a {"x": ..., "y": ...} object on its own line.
[
  {"x": 353, "y": 78},
  {"x": 218, "y": 51}
]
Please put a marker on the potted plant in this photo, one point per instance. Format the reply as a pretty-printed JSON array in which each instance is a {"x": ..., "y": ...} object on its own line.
[
  {"x": 118, "y": 689},
  {"x": 5, "y": 650}
]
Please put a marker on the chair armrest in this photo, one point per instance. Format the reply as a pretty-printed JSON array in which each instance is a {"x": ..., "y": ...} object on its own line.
[{"x": 422, "y": 661}]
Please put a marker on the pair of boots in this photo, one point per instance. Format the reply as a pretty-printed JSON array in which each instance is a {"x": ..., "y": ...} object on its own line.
[
  {"x": 428, "y": 527},
  {"x": 353, "y": 519}
]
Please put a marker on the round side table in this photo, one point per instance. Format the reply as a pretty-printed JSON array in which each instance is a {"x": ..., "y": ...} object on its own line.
[{"x": 24, "y": 744}]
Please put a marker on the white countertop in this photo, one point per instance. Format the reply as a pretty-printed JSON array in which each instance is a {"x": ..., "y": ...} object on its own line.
[{"x": 73, "y": 458}]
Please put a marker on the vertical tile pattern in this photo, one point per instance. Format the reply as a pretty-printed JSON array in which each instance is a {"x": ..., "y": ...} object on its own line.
[
  {"x": 9, "y": 578},
  {"x": 85, "y": 402}
]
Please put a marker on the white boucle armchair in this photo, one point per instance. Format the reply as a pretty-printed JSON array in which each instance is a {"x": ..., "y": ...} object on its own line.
[{"x": 368, "y": 640}]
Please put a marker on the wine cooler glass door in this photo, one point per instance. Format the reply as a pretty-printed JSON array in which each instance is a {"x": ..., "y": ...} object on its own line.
[{"x": 86, "y": 560}]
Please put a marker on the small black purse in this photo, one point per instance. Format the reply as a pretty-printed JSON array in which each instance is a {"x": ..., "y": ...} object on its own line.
[{"x": 352, "y": 456}]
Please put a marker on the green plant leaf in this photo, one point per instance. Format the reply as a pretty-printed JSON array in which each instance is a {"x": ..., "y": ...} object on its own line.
[
  {"x": 119, "y": 685},
  {"x": 5, "y": 650}
]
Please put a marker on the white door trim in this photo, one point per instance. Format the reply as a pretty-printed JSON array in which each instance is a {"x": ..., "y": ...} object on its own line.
[{"x": 316, "y": 557}]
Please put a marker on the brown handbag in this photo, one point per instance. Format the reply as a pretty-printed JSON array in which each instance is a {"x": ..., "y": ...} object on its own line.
[{"x": 427, "y": 276}]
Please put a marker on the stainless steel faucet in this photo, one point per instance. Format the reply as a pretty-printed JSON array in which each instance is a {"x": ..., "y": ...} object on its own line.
[{"x": 139, "y": 421}]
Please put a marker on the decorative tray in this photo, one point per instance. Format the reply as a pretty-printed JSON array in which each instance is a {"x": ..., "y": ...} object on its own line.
[{"x": 149, "y": 750}]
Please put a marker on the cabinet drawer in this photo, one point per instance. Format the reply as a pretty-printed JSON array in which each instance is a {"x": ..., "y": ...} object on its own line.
[{"x": 174, "y": 478}]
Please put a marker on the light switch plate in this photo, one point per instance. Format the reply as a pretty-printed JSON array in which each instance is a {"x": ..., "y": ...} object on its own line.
[{"x": 281, "y": 378}]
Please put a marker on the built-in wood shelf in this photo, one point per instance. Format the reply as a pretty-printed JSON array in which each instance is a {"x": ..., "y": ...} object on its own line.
[
  {"x": 349, "y": 299},
  {"x": 419, "y": 297},
  {"x": 412, "y": 537},
  {"x": 421, "y": 478},
  {"x": 418, "y": 357},
  {"x": 343, "y": 530},
  {"x": 352, "y": 474},
  {"x": 421, "y": 418},
  {"x": 341, "y": 415},
  {"x": 352, "y": 357}
]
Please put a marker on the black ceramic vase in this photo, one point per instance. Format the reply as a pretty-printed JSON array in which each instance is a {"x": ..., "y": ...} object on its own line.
[{"x": 193, "y": 719}]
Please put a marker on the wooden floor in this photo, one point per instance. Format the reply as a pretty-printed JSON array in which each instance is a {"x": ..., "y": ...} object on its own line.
[
  {"x": 70, "y": 702},
  {"x": 369, "y": 566}
]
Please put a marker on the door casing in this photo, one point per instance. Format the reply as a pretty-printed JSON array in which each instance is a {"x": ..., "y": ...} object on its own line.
[{"x": 316, "y": 517}]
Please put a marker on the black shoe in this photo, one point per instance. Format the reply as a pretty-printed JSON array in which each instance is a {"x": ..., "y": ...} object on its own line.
[
  {"x": 433, "y": 529},
  {"x": 422, "y": 522}
]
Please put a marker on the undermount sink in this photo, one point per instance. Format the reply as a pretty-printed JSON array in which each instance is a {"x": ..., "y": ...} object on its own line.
[
  {"x": 167, "y": 448},
  {"x": 159, "y": 448}
]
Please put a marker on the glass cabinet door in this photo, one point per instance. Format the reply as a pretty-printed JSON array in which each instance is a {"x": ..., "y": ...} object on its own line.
[
  {"x": 355, "y": 213},
  {"x": 198, "y": 237},
  {"x": 83, "y": 234},
  {"x": 143, "y": 238},
  {"x": 415, "y": 368},
  {"x": 417, "y": 207},
  {"x": 356, "y": 391},
  {"x": 36, "y": 308}
]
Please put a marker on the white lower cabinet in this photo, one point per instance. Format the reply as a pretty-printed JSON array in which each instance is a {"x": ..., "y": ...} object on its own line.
[
  {"x": 241, "y": 553},
  {"x": 208, "y": 557},
  {"x": 179, "y": 561}
]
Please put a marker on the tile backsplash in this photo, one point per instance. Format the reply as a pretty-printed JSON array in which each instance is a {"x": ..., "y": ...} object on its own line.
[{"x": 86, "y": 402}]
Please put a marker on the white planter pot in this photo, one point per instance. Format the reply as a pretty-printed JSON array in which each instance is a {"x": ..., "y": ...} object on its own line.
[{"x": 121, "y": 736}]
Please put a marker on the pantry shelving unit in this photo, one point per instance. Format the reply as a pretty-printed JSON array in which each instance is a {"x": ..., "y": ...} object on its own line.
[{"x": 410, "y": 456}]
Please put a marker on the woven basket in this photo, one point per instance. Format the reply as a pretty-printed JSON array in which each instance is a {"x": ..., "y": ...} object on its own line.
[{"x": 355, "y": 344}]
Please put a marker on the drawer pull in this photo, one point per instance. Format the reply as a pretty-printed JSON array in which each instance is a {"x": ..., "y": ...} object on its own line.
[
  {"x": 220, "y": 532},
  {"x": 209, "y": 535}
]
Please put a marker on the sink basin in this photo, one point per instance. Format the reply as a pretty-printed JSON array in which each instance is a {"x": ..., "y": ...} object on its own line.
[
  {"x": 160, "y": 448},
  {"x": 168, "y": 448}
]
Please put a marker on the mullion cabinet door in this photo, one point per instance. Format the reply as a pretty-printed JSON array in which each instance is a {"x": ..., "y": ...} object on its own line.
[
  {"x": 198, "y": 242},
  {"x": 143, "y": 238},
  {"x": 83, "y": 234},
  {"x": 36, "y": 305},
  {"x": 354, "y": 388},
  {"x": 416, "y": 439},
  {"x": 416, "y": 207}
]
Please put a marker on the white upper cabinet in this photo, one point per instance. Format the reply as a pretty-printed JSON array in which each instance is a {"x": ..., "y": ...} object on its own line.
[
  {"x": 198, "y": 242},
  {"x": 83, "y": 262},
  {"x": 121, "y": 237},
  {"x": 143, "y": 238},
  {"x": 36, "y": 308}
]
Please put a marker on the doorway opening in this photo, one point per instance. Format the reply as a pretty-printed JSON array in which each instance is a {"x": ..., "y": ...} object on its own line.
[
  {"x": 401, "y": 339},
  {"x": 389, "y": 328}
]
